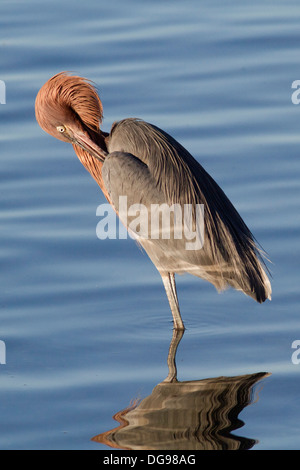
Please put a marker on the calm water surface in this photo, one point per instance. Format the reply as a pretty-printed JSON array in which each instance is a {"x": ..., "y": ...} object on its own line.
[{"x": 86, "y": 323}]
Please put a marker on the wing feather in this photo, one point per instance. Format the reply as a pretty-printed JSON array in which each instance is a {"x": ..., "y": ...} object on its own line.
[{"x": 230, "y": 254}]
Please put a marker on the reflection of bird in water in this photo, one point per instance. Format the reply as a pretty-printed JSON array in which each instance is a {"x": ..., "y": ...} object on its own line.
[
  {"x": 196, "y": 415},
  {"x": 149, "y": 167},
  {"x": 193, "y": 415}
]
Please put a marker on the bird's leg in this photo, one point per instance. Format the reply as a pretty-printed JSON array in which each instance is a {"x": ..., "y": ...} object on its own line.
[
  {"x": 170, "y": 286},
  {"x": 176, "y": 338}
]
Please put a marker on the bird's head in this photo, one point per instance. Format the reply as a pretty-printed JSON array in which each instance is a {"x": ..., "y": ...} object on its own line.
[{"x": 69, "y": 108}]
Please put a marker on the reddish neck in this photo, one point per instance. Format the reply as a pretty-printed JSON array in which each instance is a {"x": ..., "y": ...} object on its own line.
[{"x": 93, "y": 166}]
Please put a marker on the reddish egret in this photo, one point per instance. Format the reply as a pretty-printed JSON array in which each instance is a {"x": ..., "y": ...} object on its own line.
[{"x": 142, "y": 162}]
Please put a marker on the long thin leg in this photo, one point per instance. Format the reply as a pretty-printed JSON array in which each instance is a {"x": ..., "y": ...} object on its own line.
[
  {"x": 170, "y": 286},
  {"x": 176, "y": 338}
]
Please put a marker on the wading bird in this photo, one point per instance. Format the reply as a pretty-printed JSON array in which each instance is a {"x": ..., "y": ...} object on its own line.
[{"x": 145, "y": 164}]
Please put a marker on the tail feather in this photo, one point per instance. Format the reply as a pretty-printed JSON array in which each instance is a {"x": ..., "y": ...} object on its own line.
[{"x": 254, "y": 281}]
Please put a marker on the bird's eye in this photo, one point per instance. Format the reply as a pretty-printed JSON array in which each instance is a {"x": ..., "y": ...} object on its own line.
[{"x": 61, "y": 128}]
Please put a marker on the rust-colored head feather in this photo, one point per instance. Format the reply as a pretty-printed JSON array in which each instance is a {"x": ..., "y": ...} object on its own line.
[
  {"x": 64, "y": 98},
  {"x": 68, "y": 104}
]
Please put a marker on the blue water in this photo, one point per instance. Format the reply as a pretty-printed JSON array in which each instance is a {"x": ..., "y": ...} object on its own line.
[{"x": 85, "y": 322}]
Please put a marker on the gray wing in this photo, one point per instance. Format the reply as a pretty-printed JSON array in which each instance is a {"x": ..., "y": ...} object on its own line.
[
  {"x": 229, "y": 255},
  {"x": 159, "y": 228}
]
